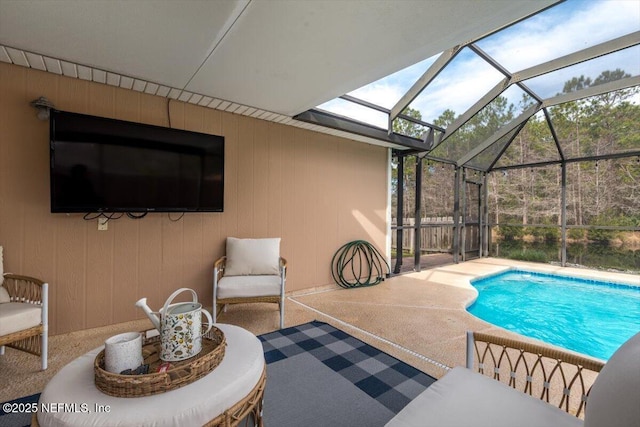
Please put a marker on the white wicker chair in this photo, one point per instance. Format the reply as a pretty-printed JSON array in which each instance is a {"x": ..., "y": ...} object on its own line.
[
  {"x": 23, "y": 318},
  {"x": 251, "y": 272},
  {"x": 524, "y": 384}
]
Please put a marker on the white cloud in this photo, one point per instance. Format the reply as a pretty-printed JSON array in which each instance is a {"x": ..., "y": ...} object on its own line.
[{"x": 533, "y": 42}]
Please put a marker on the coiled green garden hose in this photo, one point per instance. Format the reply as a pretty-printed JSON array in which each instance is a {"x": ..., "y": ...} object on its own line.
[{"x": 365, "y": 262}]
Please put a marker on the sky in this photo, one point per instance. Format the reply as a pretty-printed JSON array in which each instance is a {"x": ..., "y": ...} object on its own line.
[{"x": 563, "y": 29}]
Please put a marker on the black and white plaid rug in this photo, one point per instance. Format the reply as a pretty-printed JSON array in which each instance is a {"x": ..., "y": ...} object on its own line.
[{"x": 318, "y": 375}]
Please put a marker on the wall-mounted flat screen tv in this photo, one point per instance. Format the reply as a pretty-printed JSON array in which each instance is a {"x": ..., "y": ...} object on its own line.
[{"x": 107, "y": 165}]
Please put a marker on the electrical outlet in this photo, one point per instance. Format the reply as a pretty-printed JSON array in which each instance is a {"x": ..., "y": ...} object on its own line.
[{"x": 103, "y": 224}]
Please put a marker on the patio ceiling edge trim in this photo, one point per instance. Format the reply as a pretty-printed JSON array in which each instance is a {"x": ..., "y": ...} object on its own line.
[{"x": 36, "y": 61}]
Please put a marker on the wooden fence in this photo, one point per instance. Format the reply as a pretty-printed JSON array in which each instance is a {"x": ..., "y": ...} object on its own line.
[{"x": 436, "y": 234}]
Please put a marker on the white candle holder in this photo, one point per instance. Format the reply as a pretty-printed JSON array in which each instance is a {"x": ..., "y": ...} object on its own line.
[{"x": 122, "y": 352}]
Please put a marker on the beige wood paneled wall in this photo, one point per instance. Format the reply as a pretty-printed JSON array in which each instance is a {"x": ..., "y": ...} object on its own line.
[{"x": 315, "y": 191}]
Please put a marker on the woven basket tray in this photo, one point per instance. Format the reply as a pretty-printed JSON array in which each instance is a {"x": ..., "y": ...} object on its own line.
[{"x": 179, "y": 374}]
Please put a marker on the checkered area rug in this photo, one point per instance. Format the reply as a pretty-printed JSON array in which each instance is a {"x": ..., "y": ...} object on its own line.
[
  {"x": 17, "y": 419},
  {"x": 390, "y": 382}
]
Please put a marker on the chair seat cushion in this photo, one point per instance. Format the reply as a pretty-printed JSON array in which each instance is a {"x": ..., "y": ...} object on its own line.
[
  {"x": 18, "y": 316},
  {"x": 464, "y": 398},
  {"x": 248, "y": 286}
]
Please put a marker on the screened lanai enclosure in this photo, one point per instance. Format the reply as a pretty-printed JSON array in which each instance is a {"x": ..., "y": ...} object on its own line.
[{"x": 530, "y": 132}]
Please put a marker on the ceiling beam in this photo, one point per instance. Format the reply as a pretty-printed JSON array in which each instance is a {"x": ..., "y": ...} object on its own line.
[
  {"x": 506, "y": 146},
  {"x": 364, "y": 103},
  {"x": 420, "y": 122},
  {"x": 474, "y": 109},
  {"x": 326, "y": 119},
  {"x": 552, "y": 129},
  {"x": 432, "y": 72},
  {"x": 577, "y": 57},
  {"x": 504, "y": 130},
  {"x": 592, "y": 91},
  {"x": 495, "y": 64},
  {"x": 487, "y": 58},
  {"x": 610, "y": 156},
  {"x": 386, "y": 111}
]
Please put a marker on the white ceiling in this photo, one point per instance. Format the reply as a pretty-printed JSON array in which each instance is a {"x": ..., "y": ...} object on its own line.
[{"x": 281, "y": 56}]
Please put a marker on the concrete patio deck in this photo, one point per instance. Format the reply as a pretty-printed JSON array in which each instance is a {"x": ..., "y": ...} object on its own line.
[{"x": 424, "y": 314}]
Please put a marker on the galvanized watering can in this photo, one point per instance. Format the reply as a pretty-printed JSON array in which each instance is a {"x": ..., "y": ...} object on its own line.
[{"x": 180, "y": 326}]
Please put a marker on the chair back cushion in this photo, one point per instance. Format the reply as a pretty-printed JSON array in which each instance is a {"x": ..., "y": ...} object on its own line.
[
  {"x": 613, "y": 400},
  {"x": 252, "y": 257}
]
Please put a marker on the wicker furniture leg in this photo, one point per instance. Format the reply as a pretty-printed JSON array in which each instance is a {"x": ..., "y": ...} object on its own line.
[{"x": 250, "y": 405}]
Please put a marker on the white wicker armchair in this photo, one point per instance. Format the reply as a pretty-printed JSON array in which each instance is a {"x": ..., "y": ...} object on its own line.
[
  {"x": 558, "y": 377},
  {"x": 252, "y": 272},
  {"x": 527, "y": 385},
  {"x": 23, "y": 318}
]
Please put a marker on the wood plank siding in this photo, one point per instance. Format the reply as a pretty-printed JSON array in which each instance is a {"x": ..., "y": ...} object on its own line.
[{"x": 313, "y": 190}]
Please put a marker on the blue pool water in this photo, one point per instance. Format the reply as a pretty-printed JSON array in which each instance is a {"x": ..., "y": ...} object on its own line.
[{"x": 586, "y": 316}]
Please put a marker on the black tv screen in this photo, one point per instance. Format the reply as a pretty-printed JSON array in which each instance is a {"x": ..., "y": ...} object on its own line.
[{"x": 107, "y": 165}]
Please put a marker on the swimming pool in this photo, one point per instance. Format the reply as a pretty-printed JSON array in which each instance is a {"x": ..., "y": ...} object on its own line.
[{"x": 587, "y": 316}]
